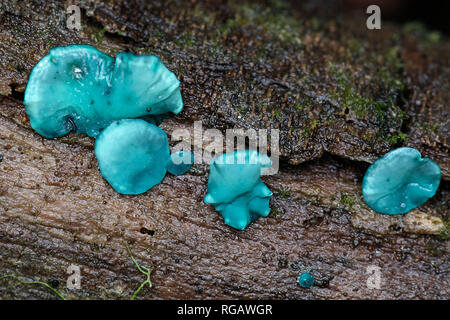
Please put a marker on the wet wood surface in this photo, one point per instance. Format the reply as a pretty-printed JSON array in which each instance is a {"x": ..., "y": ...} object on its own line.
[{"x": 313, "y": 76}]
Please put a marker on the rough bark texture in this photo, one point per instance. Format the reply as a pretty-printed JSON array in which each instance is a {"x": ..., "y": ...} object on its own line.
[{"x": 341, "y": 96}]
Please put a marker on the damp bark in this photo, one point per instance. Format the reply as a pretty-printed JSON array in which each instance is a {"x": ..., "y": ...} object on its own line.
[{"x": 340, "y": 95}]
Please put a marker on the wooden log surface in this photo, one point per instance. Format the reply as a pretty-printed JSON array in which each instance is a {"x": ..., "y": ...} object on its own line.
[{"x": 320, "y": 75}]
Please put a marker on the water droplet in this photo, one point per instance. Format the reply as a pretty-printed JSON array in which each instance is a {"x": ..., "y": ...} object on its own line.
[{"x": 78, "y": 73}]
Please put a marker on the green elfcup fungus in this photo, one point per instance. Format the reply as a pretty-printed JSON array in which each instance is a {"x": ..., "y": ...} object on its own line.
[
  {"x": 79, "y": 88},
  {"x": 400, "y": 181},
  {"x": 235, "y": 187},
  {"x": 306, "y": 280},
  {"x": 132, "y": 155},
  {"x": 180, "y": 162}
]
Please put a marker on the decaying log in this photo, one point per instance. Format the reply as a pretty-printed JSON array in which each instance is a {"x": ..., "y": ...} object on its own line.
[{"x": 340, "y": 95}]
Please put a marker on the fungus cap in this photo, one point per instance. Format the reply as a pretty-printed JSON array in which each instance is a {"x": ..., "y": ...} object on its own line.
[
  {"x": 132, "y": 155},
  {"x": 400, "y": 181},
  {"x": 232, "y": 174},
  {"x": 235, "y": 187},
  {"x": 79, "y": 88},
  {"x": 306, "y": 280}
]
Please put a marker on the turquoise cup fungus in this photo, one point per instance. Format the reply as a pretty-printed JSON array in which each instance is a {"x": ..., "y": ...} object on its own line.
[
  {"x": 180, "y": 162},
  {"x": 400, "y": 181},
  {"x": 235, "y": 187},
  {"x": 120, "y": 101},
  {"x": 133, "y": 156},
  {"x": 306, "y": 280},
  {"x": 78, "y": 88}
]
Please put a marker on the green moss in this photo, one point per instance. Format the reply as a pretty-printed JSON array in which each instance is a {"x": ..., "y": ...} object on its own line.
[
  {"x": 355, "y": 46},
  {"x": 434, "y": 249},
  {"x": 314, "y": 123},
  {"x": 242, "y": 109},
  {"x": 158, "y": 34},
  {"x": 284, "y": 193},
  {"x": 274, "y": 213},
  {"x": 420, "y": 30},
  {"x": 260, "y": 52},
  {"x": 445, "y": 232},
  {"x": 389, "y": 72},
  {"x": 215, "y": 48},
  {"x": 434, "y": 37},
  {"x": 428, "y": 127},
  {"x": 350, "y": 99},
  {"x": 206, "y": 17},
  {"x": 99, "y": 35},
  {"x": 392, "y": 59},
  {"x": 277, "y": 112},
  {"x": 97, "y": 247},
  {"x": 180, "y": 71},
  {"x": 189, "y": 40},
  {"x": 345, "y": 92},
  {"x": 432, "y": 127},
  {"x": 284, "y": 27},
  {"x": 278, "y": 4},
  {"x": 306, "y": 132},
  {"x": 303, "y": 103},
  {"x": 186, "y": 40},
  {"x": 397, "y": 138},
  {"x": 347, "y": 199}
]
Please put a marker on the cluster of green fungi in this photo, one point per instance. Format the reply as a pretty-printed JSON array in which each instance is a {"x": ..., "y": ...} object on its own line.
[{"x": 120, "y": 102}]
